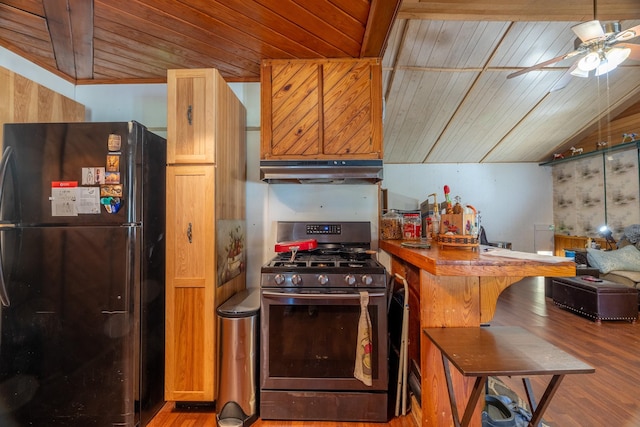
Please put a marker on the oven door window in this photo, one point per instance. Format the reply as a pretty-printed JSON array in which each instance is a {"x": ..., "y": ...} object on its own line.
[{"x": 317, "y": 338}]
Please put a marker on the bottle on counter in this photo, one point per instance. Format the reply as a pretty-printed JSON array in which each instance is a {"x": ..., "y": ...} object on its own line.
[{"x": 391, "y": 225}]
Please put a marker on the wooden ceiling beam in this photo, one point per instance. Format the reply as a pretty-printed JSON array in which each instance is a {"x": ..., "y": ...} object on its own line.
[
  {"x": 613, "y": 10},
  {"x": 381, "y": 16},
  {"x": 70, "y": 25},
  {"x": 514, "y": 10},
  {"x": 82, "y": 33},
  {"x": 520, "y": 10}
]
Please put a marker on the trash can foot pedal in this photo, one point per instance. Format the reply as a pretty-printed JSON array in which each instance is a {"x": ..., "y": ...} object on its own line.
[{"x": 233, "y": 416}]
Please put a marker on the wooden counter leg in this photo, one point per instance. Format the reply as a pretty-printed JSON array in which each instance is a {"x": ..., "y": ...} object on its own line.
[
  {"x": 445, "y": 301},
  {"x": 490, "y": 290}
]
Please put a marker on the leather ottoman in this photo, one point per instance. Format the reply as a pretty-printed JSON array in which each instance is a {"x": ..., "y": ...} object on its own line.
[
  {"x": 604, "y": 300},
  {"x": 580, "y": 271}
]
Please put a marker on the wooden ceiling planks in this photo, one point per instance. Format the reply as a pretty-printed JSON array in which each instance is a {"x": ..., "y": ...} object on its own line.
[
  {"x": 233, "y": 36},
  {"x": 444, "y": 79},
  {"x": 34, "y": 7},
  {"x": 564, "y": 113},
  {"x": 491, "y": 109},
  {"x": 322, "y": 21},
  {"x": 27, "y": 33}
]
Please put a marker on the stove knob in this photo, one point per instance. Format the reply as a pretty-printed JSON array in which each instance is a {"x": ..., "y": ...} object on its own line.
[
  {"x": 296, "y": 280},
  {"x": 350, "y": 279},
  {"x": 323, "y": 279},
  {"x": 367, "y": 280},
  {"x": 279, "y": 279}
]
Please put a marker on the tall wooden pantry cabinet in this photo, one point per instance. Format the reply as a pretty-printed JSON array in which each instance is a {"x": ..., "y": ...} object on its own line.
[{"x": 206, "y": 174}]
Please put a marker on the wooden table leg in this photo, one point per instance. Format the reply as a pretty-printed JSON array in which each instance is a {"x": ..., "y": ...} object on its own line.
[
  {"x": 470, "y": 407},
  {"x": 549, "y": 392}
]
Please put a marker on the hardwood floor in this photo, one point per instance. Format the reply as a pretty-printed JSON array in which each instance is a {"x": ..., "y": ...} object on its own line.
[
  {"x": 171, "y": 417},
  {"x": 609, "y": 397}
]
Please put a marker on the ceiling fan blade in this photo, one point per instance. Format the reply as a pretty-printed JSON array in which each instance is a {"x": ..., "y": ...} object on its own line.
[
  {"x": 544, "y": 64},
  {"x": 628, "y": 34},
  {"x": 588, "y": 30},
  {"x": 565, "y": 79},
  {"x": 635, "y": 50}
]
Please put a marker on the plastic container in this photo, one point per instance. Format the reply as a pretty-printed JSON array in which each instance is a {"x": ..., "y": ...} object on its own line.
[{"x": 391, "y": 226}]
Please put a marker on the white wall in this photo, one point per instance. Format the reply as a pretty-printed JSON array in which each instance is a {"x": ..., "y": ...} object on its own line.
[
  {"x": 17, "y": 64},
  {"x": 511, "y": 197}
]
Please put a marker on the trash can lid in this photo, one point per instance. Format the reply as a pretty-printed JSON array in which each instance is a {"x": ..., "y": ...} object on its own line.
[{"x": 245, "y": 303}]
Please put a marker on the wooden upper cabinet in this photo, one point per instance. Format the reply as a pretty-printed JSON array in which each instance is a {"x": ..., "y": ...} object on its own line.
[
  {"x": 321, "y": 109},
  {"x": 190, "y": 112}
]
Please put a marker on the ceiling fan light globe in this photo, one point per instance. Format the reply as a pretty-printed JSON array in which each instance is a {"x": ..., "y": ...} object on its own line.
[
  {"x": 589, "y": 62},
  {"x": 588, "y": 30},
  {"x": 605, "y": 67},
  {"x": 617, "y": 55}
]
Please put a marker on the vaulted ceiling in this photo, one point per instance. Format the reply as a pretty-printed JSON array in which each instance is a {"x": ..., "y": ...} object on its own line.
[{"x": 447, "y": 96}]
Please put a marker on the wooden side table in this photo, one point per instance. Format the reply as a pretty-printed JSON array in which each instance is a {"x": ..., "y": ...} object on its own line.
[{"x": 502, "y": 351}]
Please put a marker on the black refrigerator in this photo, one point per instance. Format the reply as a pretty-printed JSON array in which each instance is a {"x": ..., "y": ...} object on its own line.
[{"x": 82, "y": 251}]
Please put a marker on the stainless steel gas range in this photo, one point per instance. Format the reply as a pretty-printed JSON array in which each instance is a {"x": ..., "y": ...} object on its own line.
[{"x": 324, "y": 323}]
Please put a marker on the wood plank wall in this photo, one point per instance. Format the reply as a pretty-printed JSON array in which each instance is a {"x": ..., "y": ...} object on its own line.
[{"x": 24, "y": 100}]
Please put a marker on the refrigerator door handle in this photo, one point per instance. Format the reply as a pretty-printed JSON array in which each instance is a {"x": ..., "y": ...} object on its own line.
[
  {"x": 5, "y": 162},
  {"x": 4, "y": 295}
]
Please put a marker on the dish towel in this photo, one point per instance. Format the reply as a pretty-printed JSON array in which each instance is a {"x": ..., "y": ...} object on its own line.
[{"x": 362, "y": 370}]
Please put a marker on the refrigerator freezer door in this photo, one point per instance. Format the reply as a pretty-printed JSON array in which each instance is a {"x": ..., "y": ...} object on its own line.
[
  {"x": 69, "y": 337},
  {"x": 53, "y": 157}
]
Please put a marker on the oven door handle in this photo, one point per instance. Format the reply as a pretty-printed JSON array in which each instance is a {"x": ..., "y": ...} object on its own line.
[{"x": 290, "y": 295}]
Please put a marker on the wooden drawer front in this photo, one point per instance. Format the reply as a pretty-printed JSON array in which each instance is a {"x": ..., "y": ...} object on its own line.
[{"x": 295, "y": 117}]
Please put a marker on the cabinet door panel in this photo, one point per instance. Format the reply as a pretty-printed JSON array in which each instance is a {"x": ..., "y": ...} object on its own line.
[
  {"x": 295, "y": 109},
  {"x": 190, "y": 115},
  {"x": 190, "y": 340},
  {"x": 313, "y": 109},
  {"x": 347, "y": 108}
]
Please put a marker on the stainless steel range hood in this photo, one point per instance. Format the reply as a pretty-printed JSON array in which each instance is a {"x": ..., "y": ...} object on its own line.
[{"x": 321, "y": 171}]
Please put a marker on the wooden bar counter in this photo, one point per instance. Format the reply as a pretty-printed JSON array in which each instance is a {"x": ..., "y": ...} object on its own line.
[{"x": 459, "y": 288}]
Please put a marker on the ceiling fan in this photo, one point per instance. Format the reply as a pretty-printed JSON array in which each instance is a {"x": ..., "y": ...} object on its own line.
[{"x": 601, "y": 48}]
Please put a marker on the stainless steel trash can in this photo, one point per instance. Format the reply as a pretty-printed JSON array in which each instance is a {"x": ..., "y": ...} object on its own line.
[{"x": 238, "y": 334}]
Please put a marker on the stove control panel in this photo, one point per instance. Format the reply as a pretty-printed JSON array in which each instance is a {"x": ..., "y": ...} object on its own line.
[
  {"x": 324, "y": 228},
  {"x": 324, "y": 280}
]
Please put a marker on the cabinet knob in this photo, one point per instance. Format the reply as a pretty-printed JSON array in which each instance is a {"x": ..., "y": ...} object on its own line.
[
  {"x": 189, "y": 115},
  {"x": 189, "y": 233}
]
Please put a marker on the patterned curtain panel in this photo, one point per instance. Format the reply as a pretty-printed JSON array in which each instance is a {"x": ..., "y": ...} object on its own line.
[{"x": 593, "y": 191}]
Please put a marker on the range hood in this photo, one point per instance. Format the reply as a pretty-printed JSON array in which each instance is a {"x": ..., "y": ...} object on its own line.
[{"x": 321, "y": 171}]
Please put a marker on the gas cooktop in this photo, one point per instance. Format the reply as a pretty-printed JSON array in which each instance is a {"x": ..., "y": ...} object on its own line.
[{"x": 342, "y": 258}]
